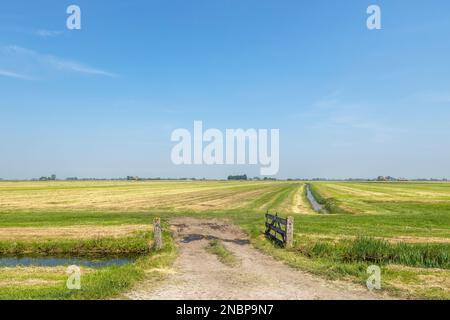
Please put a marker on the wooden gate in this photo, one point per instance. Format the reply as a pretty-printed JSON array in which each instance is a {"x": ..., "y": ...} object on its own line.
[{"x": 279, "y": 230}]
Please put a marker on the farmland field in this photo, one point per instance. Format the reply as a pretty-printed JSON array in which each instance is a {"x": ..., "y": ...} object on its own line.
[{"x": 403, "y": 227}]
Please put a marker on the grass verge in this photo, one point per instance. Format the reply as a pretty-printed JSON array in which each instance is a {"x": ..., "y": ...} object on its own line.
[
  {"x": 138, "y": 243},
  {"x": 225, "y": 256},
  {"x": 101, "y": 283}
]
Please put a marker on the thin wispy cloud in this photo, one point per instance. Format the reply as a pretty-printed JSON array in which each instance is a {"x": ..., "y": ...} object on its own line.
[
  {"x": 329, "y": 101},
  {"x": 47, "y": 33},
  {"x": 338, "y": 115},
  {"x": 428, "y": 98},
  {"x": 30, "y": 59},
  {"x": 11, "y": 74},
  {"x": 73, "y": 66}
]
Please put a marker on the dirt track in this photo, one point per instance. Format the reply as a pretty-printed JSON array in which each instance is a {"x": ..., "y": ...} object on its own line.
[{"x": 200, "y": 275}]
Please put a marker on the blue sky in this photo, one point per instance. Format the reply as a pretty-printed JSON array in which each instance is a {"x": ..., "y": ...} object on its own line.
[{"x": 102, "y": 101}]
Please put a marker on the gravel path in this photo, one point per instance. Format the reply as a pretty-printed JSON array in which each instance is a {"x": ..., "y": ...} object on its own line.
[{"x": 200, "y": 275}]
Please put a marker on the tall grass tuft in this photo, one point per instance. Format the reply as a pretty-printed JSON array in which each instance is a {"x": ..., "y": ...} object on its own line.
[
  {"x": 381, "y": 251},
  {"x": 378, "y": 251},
  {"x": 369, "y": 250}
]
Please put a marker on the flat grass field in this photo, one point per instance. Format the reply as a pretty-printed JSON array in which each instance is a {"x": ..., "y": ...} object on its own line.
[{"x": 404, "y": 227}]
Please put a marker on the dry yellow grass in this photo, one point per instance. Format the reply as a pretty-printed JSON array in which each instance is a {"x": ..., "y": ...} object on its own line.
[
  {"x": 388, "y": 192},
  {"x": 358, "y": 192},
  {"x": 313, "y": 237},
  {"x": 35, "y": 276},
  {"x": 71, "y": 232},
  {"x": 28, "y": 282},
  {"x": 421, "y": 280},
  {"x": 299, "y": 202},
  {"x": 126, "y": 195},
  {"x": 33, "y": 270},
  {"x": 411, "y": 239}
]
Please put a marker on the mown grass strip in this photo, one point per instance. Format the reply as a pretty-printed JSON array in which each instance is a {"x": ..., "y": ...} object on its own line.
[{"x": 225, "y": 256}]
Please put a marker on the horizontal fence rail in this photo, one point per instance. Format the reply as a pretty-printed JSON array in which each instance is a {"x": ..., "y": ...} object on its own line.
[{"x": 279, "y": 230}]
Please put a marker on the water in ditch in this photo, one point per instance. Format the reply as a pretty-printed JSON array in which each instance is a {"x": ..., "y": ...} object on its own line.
[
  {"x": 63, "y": 261},
  {"x": 316, "y": 206}
]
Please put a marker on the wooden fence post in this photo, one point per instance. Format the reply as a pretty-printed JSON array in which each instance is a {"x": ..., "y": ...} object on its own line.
[
  {"x": 157, "y": 233},
  {"x": 290, "y": 232}
]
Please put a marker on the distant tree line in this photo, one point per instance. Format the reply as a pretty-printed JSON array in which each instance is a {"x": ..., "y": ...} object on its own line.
[
  {"x": 230, "y": 177},
  {"x": 51, "y": 178},
  {"x": 238, "y": 177}
]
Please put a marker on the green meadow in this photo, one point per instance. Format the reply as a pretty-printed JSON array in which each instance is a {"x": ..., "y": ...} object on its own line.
[{"x": 403, "y": 227}]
